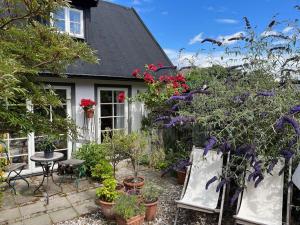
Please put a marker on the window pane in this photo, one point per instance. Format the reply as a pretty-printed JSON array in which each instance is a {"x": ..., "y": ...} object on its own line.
[
  {"x": 60, "y": 25},
  {"x": 60, "y": 111},
  {"x": 59, "y": 14},
  {"x": 74, "y": 16},
  {"x": 119, "y": 109},
  {"x": 116, "y": 96},
  {"x": 62, "y": 94},
  {"x": 106, "y": 123},
  {"x": 75, "y": 28},
  {"x": 18, "y": 147},
  {"x": 119, "y": 122},
  {"x": 106, "y": 110},
  {"x": 106, "y": 96}
]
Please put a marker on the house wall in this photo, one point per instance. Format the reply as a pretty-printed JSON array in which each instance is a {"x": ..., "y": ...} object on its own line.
[{"x": 87, "y": 88}]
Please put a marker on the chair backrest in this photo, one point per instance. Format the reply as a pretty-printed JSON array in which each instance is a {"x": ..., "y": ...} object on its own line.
[
  {"x": 202, "y": 170},
  {"x": 263, "y": 204},
  {"x": 5, "y": 151}
]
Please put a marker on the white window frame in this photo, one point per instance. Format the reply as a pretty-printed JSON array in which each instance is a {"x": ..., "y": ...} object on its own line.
[
  {"x": 68, "y": 22},
  {"x": 126, "y": 109}
]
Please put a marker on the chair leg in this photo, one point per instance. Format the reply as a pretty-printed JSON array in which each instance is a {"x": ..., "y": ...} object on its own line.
[{"x": 176, "y": 216}]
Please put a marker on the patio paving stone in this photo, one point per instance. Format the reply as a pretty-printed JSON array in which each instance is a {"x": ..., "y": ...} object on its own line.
[
  {"x": 39, "y": 220},
  {"x": 29, "y": 210},
  {"x": 58, "y": 203},
  {"x": 78, "y": 197},
  {"x": 63, "y": 215},
  {"x": 9, "y": 214},
  {"x": 86, "y": 207}
]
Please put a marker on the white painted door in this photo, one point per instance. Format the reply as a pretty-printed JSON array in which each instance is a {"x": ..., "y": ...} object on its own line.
[{"x": 112, "y": 113}]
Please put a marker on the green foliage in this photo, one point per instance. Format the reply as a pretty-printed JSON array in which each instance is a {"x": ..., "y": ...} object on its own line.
[
  {"x": 151, "y": 192},
  {"x": 103, "y": 170},
  {"x": 108, "y": 192},
  {"x": 128, "y": 206},
  {"x": 27, "y": 49},
  {"x": 3, "y": 163},
  {"x": 92, "y": 153}
]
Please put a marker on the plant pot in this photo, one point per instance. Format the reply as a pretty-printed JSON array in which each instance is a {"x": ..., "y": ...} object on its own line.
[
  {"x": 137, "y": 220},
  {"x": 151, "y": 210},
  {"x": 48, "y": 154},
  {"x": 120, "y": 188},
  {"x": 106, "y": 208},
  {"x": 89, "y": 113},
  {"x": 181, "y": 176},
  {"x": 130, "y": 184}
]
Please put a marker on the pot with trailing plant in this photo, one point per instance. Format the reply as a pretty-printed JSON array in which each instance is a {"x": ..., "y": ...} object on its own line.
[
  {"x": 129, "y": 210},
  {"x": 107, "y": 194},
  {"x": 134, "y": 150},
  {"x": 179, "y": 167},
  {"x": 150, "y": 194},
  {"x": 88, "y": 107}
]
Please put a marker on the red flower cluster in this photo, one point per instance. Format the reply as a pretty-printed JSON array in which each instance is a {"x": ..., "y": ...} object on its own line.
[
  {"x": 121, "y": 97},
  {"x": 148, "y": 78},
  {"x": 177, "y": 81},
  {"x": 87, "y": 103}
]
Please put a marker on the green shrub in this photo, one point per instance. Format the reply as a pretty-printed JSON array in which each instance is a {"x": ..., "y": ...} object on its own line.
[
  {"x": 92, "y": 153},
  {"x": 151, "y": 192},
  {"x": 108, "y": 192},
  {"x": 103, "y": 170},
  {"x": 128, "y": 206}
]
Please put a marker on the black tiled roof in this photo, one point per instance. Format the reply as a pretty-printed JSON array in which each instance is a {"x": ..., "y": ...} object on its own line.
[{"x": 122, "y": 41}]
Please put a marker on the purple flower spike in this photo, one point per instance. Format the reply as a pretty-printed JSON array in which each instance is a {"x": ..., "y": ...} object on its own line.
[
  {"x": 161, "y": 118},
  {"x": 175, "y": 107},
  {"x": 235, "y": 196},
  {"x": 272, "y": 165},
  {"x": 210, "y": 182},
  {"x": 287, "y": 154},
  {"x": 285, "y": 119},
  {"x": 210, "y": 144},
  {"x": 225, "y": 147},
  {"x": 176, "y": 98},
  {"x": 265, "y": 93},
  {"x": 260, "y": 179},
  {"x": 221, "y": 184},
  {"x": 179, "y": 120},
  {"x": 295, "y": 109}
]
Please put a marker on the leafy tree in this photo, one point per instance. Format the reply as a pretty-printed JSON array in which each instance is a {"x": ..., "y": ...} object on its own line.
[{"x": 30, "y": 47}]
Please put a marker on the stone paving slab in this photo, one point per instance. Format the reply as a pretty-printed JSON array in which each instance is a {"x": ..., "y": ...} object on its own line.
[
  {"x": 9, "y": 214},
  {"x": 63, "y": 215},
  {"x": 86, "y": 207},
  {"x": 39, "y": 220},
  {"x": 58, "y": 203},
  {"x": 28, "y": 210},
  {"x": 79, "y": 197}
]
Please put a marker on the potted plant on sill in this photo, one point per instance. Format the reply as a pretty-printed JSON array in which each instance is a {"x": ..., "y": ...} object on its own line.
[
  {"x": 88, "y": 107},
  {"x": 179, "y": 167},
  {"x": 150, "y": 194},
  {"x": 137, "y": 144},
  {"x": 106, "y": 197},
  {"x": 129, "y": 210}
]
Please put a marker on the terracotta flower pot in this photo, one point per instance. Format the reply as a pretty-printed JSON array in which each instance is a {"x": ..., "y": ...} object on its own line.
[
  {"x": 137, "y": 220},
  {"x": 89, "y": 113},
  {"x": 181, "y": 176},
  {"x": 106, "y": 209},
  {"x": 120, "y": 188},
  {"x": 129, "y": 184},
  {"x": 151, "y": 210}
]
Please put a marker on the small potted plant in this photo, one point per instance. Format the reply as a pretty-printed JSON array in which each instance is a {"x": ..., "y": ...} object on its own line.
[
  {"x": 46, "y": 144},
  {"x": 150, "y": 193},
  {"x": 179, "y": 167},
  {"x": 135, "y": 151},
  {"x": 129, "y": 210},
  {"x": 88, "y": 107},
  {"x": 106, "y": 197}
]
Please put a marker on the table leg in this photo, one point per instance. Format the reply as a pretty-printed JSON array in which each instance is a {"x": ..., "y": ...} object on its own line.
[{"x": 41, "y": 184}]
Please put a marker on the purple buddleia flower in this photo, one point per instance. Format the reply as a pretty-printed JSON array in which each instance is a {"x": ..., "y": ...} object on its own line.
[
  {"x": 263, "y": 114},
  {"x": 260, "y": 179},
  {"x": 199, "y": 91},
  {"x": 241, "y": 98},
  {"x": 236, "y": 195},
  {"x": 295, "y": 109},
  {"x": 224, "y": 147},
  {"x": 292, "y": 142},
  {"x": 221, "y": 184},
  {"x": 265, "y": 93},
  {"x": 210, "y": 144},
  {"x": 175, "y": 107},
  {"x": 272, "y": 165},
  {"x": 210, "y": 182},
  {"x": 161, "y": 118},
  {"x": 287, "y": 154},
  {"x": 176, "y": 98},
  {"x": 179, "y": 120},
  {"x": 285, "y": 119}
]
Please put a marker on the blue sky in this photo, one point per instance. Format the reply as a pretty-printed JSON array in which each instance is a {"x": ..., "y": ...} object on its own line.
[{"x": 180, "y": 24}]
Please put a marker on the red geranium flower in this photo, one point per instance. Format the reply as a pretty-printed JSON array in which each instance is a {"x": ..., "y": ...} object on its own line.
[
  {"x": 175, "y": 84},
  {"x": 152, "y": 67},
  {"x": 121, "y": 97},
  {"x": 176, "y": 92},
  {"x": 148, "y": 78},
  {"x": 136, "y": 72},
  {"x": 87, "y": 103},
  {"x": 180, "y": 78},
  {"x": 185, "y": 86},
  {"x": 160, "y": 65}
]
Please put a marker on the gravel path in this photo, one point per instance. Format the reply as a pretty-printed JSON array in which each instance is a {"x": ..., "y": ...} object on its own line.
[{"x": 166, "y": 211}]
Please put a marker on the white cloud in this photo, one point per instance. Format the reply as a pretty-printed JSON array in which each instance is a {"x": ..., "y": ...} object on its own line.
[
  {"x": 287, "y": 30},
  {"x": 227, "y": 21},
  {"x": 197, "y": 38},
  {"x": 187, "y": 58},
  {"x": 224, "y": 38},
  {"x": 269, "y": 33}
]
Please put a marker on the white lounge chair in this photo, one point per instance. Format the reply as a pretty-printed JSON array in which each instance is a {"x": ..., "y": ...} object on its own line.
[
  {"x": 263, "y": 205},
  {"x": 194, "y": 195}
]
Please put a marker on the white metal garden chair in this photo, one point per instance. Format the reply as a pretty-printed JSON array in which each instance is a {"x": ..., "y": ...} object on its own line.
[
  {"x": 194, "y": 196},
  {"x": 263, "y": 205}
]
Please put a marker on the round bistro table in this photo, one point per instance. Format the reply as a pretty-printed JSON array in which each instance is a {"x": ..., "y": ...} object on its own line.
[{"x": 46, "y": 163}]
